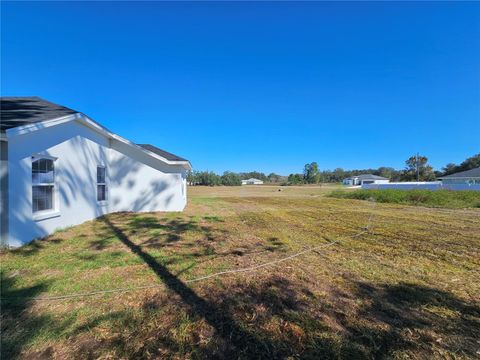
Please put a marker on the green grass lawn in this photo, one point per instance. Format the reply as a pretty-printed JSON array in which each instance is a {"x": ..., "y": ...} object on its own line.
[{"x": 406, "y": 288}]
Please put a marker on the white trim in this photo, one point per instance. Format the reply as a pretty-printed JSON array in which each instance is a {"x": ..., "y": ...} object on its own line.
[
  {"x": 38, "y": 156},
  {"x": 25, "y": 129},
  {"x": 96, "y": 126},
  {"x": 46, "y": 214},
  {"x": 49, "y": 213},
  {"x": 104, "y": 201},
  {"x": 20, "y": 130}
]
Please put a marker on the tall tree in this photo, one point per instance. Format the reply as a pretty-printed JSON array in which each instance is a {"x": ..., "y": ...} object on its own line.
[
  {"x": 311, "y": 175},
  {"x": 417, "y": 168}
]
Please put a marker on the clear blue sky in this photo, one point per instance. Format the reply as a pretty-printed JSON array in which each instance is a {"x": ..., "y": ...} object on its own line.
[{"x": 259, "y": 86}]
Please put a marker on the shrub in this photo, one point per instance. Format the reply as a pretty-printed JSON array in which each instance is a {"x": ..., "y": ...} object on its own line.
[{"x": 439, "y": 198}]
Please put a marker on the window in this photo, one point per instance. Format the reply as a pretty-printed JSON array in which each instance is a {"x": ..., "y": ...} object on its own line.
[
  {"x": 101, "y": 184},
  {"x": 43, "y": 184}
]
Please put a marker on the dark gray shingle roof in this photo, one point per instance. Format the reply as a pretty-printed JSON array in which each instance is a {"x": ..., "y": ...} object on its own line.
[
  {"x": 163, "y": 153},
  {"x": 18, "y": 111},
  {"x": 464, "y": 174}
]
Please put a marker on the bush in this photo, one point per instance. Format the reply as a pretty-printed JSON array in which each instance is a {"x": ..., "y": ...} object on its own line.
[{"x": 439, "y": 198}]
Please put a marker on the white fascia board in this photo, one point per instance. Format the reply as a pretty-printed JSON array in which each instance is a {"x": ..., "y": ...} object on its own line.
[
  {"x": 24, "y": 129},
  {"x": 96, "y": 126}
]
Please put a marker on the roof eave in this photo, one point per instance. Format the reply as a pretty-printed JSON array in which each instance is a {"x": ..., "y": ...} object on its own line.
[{"x": 24, "y": 129}]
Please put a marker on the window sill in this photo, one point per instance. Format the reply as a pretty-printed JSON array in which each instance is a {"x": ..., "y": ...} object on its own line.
[
  {"x": 102, "y": 203},
  {"x": 46, "y": 215}
]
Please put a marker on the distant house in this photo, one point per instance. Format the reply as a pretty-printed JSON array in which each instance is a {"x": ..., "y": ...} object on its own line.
[
  {"x": 365, "y": 179},
  {"x": 252, "y": 181},
  {"x": 60, "y": 168},
  {"x": 468, "y": 177}
]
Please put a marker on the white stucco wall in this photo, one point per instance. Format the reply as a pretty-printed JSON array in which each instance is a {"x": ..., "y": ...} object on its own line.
[
  {"x": 140, "y": 183},
  {"x": 132, "y": 185},
  {"x": 379, "y": 181}
]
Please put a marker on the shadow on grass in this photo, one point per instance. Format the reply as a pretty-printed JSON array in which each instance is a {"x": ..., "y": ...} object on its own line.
[
  {"x": 417, "y": 318},
  {"x": 19, "y": 324},
  {"x": 224, "y": 325},
  {"x": 166, "y": 232},
  {"x": 172, "y": 232},
  {"x": 269, "y": 317}
]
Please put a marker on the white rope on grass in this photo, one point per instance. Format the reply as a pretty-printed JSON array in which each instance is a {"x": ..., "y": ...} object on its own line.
[
  {"x": 201, "y": 278},
  {"x": 248, "y": 269}
]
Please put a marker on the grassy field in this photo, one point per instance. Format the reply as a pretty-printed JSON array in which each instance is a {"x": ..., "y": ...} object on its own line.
[
  {"x": 439, "y": 198},
  {"x": 404, "y": 287}
]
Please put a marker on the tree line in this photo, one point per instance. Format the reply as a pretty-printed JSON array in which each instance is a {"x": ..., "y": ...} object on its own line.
[
  {"x": 229, "y": 178},
  {"x": 416, "y": 168}
]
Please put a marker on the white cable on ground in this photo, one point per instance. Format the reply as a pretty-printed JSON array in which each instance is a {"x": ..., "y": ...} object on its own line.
[{"x": 247, "y": 269}]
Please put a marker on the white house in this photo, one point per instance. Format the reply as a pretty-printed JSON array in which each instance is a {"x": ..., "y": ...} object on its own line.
[
  {"x": 468, "y": 177},
  {"x": 60, "y": 168},
  {"x": 365, "y": 179},
  {"x": 252, "y": 181}
]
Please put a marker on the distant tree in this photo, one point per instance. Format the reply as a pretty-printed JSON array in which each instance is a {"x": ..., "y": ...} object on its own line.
[
  {"x": 311, "y": 175},
  {"x": 450, "y": 168},
  {"x": 190, "y": 177},
  {"x": 208, "y": 178},
  {"x": 274, "y": 178},
  {"x": 386, "y": 172},
  {"x": 295, "y": 179},
  {"x": 338, "y": 175},
  {"x": 417, "y": 168},
  {"x": 470, "y": 163},
  {"x": 231, "y": 179}
]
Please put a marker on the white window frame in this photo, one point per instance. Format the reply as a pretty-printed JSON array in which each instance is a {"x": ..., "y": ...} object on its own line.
[
  {"x": 105, "y": 183},
  {"x": 55, "y": 210}
]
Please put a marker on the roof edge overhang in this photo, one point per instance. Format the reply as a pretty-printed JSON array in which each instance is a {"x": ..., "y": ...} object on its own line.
[
  {"x": 458, "y": 177},
  {"x": 85, "y": 120}
]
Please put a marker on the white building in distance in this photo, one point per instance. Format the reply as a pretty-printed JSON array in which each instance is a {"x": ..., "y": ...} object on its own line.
[{"x": 252, "y": 181}]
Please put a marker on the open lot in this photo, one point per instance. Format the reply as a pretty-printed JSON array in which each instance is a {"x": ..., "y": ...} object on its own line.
[{"x": 392, "y": 281}]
